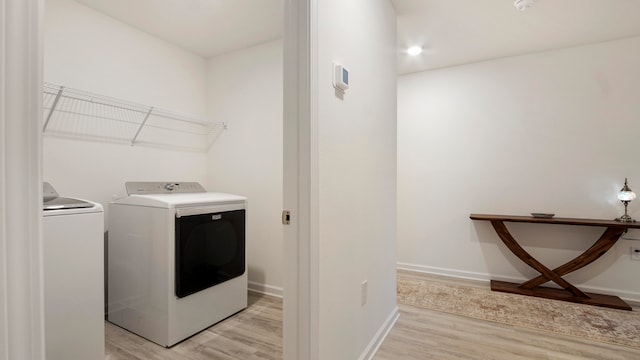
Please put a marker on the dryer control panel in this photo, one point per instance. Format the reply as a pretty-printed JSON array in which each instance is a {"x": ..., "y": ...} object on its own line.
[{"x": 153, "y": 187}]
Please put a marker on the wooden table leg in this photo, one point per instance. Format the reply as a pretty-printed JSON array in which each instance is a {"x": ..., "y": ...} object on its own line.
[
  {"x": 604, "y": 243},
  {"x": 547, "y": 273},
  {"x": 573, "y": 294}
]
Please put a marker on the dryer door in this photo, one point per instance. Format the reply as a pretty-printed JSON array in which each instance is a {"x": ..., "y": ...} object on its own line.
[{"x": 210, "y": 249}]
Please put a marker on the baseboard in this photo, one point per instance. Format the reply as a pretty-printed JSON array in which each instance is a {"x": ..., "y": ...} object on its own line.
[
  {"x": 381, "y": 334},
  {"x": 265, "y": 289},
  {"x": 630, "y": 296},
  {"x": 467, "y": 275}
]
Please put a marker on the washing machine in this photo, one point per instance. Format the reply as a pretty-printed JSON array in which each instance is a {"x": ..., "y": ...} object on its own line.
[
  {"x": 176, "y": 259},
  {"x": 73, "y": 268}
]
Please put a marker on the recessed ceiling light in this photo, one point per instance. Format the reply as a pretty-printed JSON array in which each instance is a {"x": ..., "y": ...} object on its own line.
[
  {"x": 523, "y": 5},
  {"x": 414, "y": 50}
]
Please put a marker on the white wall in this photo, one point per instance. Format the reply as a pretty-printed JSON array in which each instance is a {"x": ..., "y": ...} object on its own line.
[
  {"x": 86, "y": 50},
  {"x": 547, "y": 132},
  {"x": 357, "y": 175},
  {"x": 245, "y": 91}
]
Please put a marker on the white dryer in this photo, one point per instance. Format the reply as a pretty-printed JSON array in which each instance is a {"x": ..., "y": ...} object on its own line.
[{"x": 176, "y": 259}]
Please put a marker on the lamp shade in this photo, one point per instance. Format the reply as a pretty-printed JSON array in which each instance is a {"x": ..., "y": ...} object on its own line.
[{"x": 625, "y": 194}]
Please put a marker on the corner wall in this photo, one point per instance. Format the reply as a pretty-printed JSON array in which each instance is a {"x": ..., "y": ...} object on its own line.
[
  {"x": 357, "y": 176},
  {"x": 546, "y": 132},
  {"x": 245, "y": 91},
  {"x": 88, "y": 50}
]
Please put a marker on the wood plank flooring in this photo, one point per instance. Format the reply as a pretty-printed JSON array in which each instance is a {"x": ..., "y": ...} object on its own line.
[
  {"x": 253, "y": 334},
  {"x": 425, "y": 334},
  {"x": 256, "y": 334}
]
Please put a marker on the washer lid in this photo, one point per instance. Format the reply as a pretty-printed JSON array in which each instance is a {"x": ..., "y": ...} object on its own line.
[
  {"x": 82, "y": 207},
  {"x": 180, "y": 199},
  {"x": 65, "y": 203},
  {"x": 52, "y": 201}
]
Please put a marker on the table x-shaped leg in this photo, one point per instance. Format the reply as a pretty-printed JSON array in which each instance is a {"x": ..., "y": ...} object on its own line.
[
  {"x": 601, "y": 246},
  {"x": 604, "y": 243},
  {"x": 547, "y": 274}
]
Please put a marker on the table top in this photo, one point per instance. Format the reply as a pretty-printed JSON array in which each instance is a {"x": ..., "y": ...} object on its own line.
[{"x": 556, "y": 220}]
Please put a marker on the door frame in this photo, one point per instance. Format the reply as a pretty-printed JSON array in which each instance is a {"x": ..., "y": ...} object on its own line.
[
  {"x": 21, "y": 277},
  {"x": 300, "y": 182}
]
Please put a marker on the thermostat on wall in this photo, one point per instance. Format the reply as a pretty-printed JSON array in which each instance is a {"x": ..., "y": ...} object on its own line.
[{"x": 340, "y": 77}]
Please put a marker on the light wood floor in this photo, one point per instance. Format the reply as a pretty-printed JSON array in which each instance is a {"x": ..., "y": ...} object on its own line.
[
  {"x": 253, "y": 334},
  {"x": 256, "y": 333},
  {"x": 424, "y": 334}
]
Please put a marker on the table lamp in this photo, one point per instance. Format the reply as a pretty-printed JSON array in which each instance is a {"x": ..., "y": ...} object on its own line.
[{"x": 625, "y": 195}]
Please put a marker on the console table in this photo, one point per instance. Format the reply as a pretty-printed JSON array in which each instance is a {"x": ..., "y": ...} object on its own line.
[{"x": 568, "y": 292}]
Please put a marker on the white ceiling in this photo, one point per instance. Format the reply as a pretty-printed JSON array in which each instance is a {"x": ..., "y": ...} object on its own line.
[
  {"x": 204, "y": 27},
  {"x": 456, "y": 32},
  {"x": 452, "y": 32}
]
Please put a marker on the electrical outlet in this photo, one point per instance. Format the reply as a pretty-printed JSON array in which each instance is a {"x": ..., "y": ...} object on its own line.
[
  {"x": 635, "y": 253},
  {"x": 363, "y": 293}
]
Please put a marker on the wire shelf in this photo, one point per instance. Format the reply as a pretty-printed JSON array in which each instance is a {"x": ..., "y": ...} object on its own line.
[{"x": 78, "y": 114}]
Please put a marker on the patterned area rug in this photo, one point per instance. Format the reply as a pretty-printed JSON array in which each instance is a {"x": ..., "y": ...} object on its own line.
[{"x": 611, "y": 326}]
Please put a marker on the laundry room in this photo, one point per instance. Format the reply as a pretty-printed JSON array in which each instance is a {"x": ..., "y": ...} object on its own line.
[
  {"x": 87, "y": 50},
  {"x": 101, "y": 59}
]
